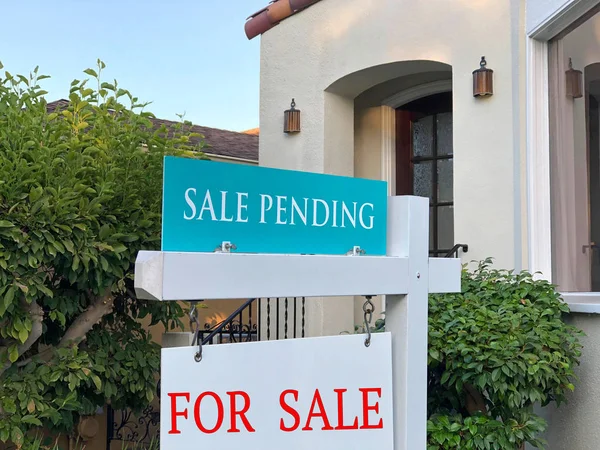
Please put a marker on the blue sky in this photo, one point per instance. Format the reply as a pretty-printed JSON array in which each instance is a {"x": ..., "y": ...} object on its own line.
[{"x": 186, "y": 56}]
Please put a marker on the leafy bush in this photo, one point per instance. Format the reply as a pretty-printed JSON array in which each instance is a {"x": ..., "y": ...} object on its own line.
[
  {"x": 80, "y": 194},
  {"x": 495, "y": 350}
]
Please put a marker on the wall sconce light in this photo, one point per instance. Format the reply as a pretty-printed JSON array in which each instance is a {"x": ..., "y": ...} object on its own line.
[
  {"x": 292, "y": 119},
  {"x": 483, "y": 81},
  {"x": 574, "y": 80}
]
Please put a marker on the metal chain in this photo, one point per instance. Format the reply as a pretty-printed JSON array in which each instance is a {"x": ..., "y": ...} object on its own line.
[
  {"x": 196, "y": 325},
  {"x": 368, "y": 309}
]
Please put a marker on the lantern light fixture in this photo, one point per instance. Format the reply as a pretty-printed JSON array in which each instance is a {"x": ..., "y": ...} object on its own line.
[
  {"x": 292, "y": 119},
  {"x": 483, "y": 80},
  {"x": 574, "y": 80}
]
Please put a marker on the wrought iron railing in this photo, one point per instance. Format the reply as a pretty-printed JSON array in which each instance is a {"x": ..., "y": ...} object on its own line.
[
  {"x": 449, "y": 252},
  {"x": 240, "y": 326},
  {"x": 273, "y": 318},
  {"x": 126, "y": 427},
  {"x": 453, "y": 252}
]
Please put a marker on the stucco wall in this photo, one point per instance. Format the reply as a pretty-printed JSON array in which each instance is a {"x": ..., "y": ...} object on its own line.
[
  {"x": 574, "y": 426},
  {"x": 330, "y": 53}
]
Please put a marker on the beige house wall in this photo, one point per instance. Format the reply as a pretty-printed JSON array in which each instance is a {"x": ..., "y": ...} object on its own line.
[{"x": 332, "y": 52}]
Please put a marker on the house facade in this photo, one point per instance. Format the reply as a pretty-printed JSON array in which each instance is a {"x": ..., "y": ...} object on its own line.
[{"x": 386, "y": 91}]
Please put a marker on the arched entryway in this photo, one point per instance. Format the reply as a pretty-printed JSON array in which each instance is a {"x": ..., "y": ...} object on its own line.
[{"x": 403, "y": 134}]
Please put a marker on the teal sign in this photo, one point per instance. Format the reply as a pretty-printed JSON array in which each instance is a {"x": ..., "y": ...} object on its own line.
[{"x": 263, "y": 210}]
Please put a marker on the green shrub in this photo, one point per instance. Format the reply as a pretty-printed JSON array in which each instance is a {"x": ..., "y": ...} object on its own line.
[
  {"x": 495, "y": 350},
  {"x": 80, "y": 194}
]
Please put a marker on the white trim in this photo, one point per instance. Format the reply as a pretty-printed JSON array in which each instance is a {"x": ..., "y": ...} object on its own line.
[
  {"x": 582, "y": 302},
  {"x": 388, "y": 148},
  {"x": 388, "y": 156},
  {"x": 538, "y": 160},
  {"x": 416, "y": 92},
  {"x": 559, "y": 20},
  {"x": 232, "y": 158}
]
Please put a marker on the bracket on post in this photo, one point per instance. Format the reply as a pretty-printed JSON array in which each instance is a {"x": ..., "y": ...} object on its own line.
[
  {"x": 356, "y": 251},
  {"x": 225, "y": 247}
]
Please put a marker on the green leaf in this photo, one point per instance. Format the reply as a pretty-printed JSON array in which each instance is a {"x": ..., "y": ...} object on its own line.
[
  {"x": 104, "y": 231},
  {"x": 119, "y": 248},
  {"x": 9, "y": 297},
  {"x": 23, "y": 335},
  {"x": 55, "y": 377},
  {"x": 31, "y": 420},
  {"x": 6, "y": 224},
  {"x": 13, "y": 353},
  {"x": 16, "y": 436},
  {"x": 35, "y": 193},
  {"x": 445, "y": 377},
  {"x": 108, "y": 86},
  {"x": 69, "y": 245},
  {"x": 91, "y": 72},
  {"x": 97, "y": 382},
  {"x": 496, "y": 374}
]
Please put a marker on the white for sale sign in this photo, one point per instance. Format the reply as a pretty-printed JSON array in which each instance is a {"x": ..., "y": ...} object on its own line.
[{"x": 327, "y": 393}]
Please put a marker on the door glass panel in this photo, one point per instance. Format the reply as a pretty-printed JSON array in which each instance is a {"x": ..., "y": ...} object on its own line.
[
  {"x": 446, "y": 227},
  {"x": 445, "y": 184},
  {"x": 423, "y": 137},
  {"x": 423, "y": 179},
  {"x": 444, "y": 134}
]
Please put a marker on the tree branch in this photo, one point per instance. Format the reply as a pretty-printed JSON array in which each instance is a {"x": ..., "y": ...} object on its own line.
[
  {"x": 100, "y": 307},
  {"x": 37, "y": 317},
  {"x": 78, "y": 330},
  {"x": 474, "y": 401}
]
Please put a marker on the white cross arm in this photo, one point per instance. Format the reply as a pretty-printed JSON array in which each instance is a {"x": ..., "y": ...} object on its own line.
[{"x": 169, "y": 276}]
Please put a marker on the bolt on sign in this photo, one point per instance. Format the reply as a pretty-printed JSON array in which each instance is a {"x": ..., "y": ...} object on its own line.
[{"x": 232, "y": 232}]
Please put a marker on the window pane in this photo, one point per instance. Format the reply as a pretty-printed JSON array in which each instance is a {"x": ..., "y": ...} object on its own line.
[
  {"x": 445, "y": 227},
  {"x": 445, "y": 180},
  {"x": 423, "y": 137},
  {"x": 423, "y": 179},
  {"x": 444, "y": 134}
]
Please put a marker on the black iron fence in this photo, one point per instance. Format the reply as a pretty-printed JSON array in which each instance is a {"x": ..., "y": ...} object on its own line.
[
  {"x": 130, "y": 429},
  {"x": 259, "y": 319}
]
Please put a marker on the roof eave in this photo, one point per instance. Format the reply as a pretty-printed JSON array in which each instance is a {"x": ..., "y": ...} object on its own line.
[{"x": 277, "y": 11}]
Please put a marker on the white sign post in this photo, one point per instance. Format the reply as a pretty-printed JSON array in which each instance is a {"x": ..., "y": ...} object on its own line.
[{"x": 406, "y": 275}]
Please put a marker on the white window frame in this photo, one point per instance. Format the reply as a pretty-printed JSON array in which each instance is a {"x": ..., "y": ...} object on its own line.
[{"x": 538, "y": 145}]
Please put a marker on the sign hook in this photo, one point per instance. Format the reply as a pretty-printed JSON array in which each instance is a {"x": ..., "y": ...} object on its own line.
[
  {"x": 368, "y": 309},
  {"x": 194, "y": 321}
]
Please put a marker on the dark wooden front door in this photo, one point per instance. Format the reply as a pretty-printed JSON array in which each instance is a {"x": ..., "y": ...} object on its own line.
[{"x": 424, "y": 163}]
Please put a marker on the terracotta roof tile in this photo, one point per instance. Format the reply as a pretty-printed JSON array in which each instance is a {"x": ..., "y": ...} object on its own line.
[
  {"x": 278, "y": 10},
  {"x": 226, "y": 143}
]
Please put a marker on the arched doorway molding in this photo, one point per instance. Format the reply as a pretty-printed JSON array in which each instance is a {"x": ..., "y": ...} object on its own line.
[
  {"x": 388, "y": 144},
  {"x": 414, "y": 93}
]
